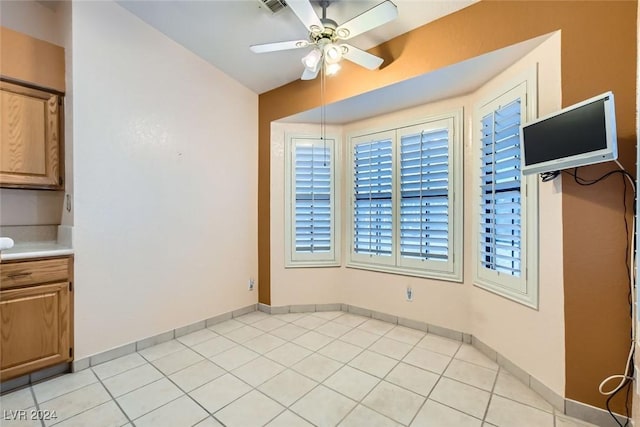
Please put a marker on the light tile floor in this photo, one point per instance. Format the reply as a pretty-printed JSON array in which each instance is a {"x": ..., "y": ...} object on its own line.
[{"x": 298, "y": 369}]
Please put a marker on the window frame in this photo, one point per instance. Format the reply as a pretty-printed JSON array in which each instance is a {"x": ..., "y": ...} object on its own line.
[
  {"x": 330, "y": 258},
  {"x": 450, "y": 270},
  {"x": 525, "y": 288}
]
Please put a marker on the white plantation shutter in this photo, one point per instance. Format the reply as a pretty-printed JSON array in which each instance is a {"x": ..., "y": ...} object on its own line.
[
  {"x": 424, "y": 195},
  {"x": 310, "y": 214},
  {"x": 372, "y": 198},
  {"x": 312, "y": 198},
  {"x": 506, "y": 226},
  {"x": 500, "y": 219},
  {"x": 405, "y": 218}
]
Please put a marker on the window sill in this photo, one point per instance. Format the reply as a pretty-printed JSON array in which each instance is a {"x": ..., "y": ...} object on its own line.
[
  {"x": 435, "y": 275},
  {"x": 312, "y": 264},
  {"x": 528, "y": 300}
]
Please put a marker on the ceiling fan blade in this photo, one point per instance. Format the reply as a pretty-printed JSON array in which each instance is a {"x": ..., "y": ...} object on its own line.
[
  {"x": 272, "y": 47},
  {"x": 308, "y": 74},
  {"x": 372, "y": 18},
  {"x": 360, "y": 57},
  {"x": 305, "y": 13}
]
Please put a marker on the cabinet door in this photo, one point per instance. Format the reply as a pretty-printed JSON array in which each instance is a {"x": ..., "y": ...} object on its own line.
[
  {"x": 29, "y": 137},
  {"x": 35, "y": 328}
]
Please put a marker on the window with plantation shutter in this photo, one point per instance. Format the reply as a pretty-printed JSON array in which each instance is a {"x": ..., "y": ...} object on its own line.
[
  {"x": 372, "y": 187},
  {"x": 501, "y": 189},
  {"x": 424, "y": 195},
  {"x": 506, "y": 227},
  {"x": 311, "y": 199},
  {"x": 405, "y": 217}
]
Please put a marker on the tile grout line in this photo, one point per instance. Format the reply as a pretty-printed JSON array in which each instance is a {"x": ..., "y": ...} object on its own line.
[
  {"x": 209, "y": 414},
  {"x": 113, "y": 399},
  {"x": 398, "y": 361},
  {"x": 136, "y": 388},
  {"x": 238, "y": 344},
  {"x": 493, "y": 388},
  {"x": 317, "y": 383},
  {"x": 436, "y": 383},
  {"x": 500, "y": 370},
  {"x": 87, "y": 409},
  {"x": 119, "y": 373},
  {"x": 176, "y": 385},
  {"x": 64, "y": 394},
  {"x": 359, "y": 402},
  {"x": 493, "y": 393},
  {"x": 288, "y": 408},
  {"x": 442, "y": 375},
  {"x": 164, "y": 376},
  {"x": 35, "y": 400},
  {"x": 382, "y": 379},
  {"x": 322, "y": 355}
]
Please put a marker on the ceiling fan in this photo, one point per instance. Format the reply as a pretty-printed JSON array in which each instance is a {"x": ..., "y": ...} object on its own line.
[{"x": 326, "y": 36}]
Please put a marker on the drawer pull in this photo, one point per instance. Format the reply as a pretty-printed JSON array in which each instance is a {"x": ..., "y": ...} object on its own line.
[{"x": 18, "y": 275}]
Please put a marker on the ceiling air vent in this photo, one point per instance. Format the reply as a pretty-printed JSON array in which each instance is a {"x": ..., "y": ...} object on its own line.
[{"x": 272, "y": 5}]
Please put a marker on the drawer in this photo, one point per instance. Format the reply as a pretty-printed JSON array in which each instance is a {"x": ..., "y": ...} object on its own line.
[{"x": 25, "y": 273}]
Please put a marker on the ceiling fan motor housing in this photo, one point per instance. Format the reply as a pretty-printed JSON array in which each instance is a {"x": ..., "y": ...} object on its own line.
[{"x": 325, "y": 35}]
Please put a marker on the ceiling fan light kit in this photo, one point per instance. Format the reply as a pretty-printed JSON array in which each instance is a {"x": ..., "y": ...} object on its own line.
[
  {"x": 312, "y": 60},
  {"x": 332, "y": 53},
  {"x": 331, "y": 69},
  {"x": 326, "y": 36}
]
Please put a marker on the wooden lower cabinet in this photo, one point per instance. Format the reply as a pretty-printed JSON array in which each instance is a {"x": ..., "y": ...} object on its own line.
[{"x": 36, "y": 316}]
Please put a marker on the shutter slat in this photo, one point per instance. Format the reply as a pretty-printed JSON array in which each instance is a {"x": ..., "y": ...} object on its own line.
[
  {"x": 424, "y": 192},
  {"x": 500, "y": 184},
  {"x": 313, "y": 186},
  {"x": 372, "y": 190}
]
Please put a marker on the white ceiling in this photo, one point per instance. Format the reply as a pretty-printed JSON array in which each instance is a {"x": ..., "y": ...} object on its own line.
[
  {"x": 448, "y": 82},
  {"x": 221, "y": 31}
]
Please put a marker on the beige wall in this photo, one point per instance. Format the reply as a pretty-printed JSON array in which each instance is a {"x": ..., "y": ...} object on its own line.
[
  {"x": 533, "y": 339},
  {"x": 436, "y": 302},
  {"x": 296, "y": 285},
  {"x": 165, "y": 166}
]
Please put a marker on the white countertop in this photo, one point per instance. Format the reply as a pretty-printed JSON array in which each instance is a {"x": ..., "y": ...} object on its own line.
[
  {"x": 35, "y": 250},
  {"x": 6, "y": 243}
]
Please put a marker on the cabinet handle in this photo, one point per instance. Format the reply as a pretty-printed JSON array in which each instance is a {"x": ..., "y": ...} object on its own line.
[{"x": 17, "y": 275}]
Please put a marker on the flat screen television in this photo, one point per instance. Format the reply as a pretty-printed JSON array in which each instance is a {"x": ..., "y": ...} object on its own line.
[{"x": 579, "y": 135}]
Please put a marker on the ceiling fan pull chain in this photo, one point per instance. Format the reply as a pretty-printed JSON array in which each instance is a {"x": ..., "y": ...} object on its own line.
[{"x": 323, "y": 114}]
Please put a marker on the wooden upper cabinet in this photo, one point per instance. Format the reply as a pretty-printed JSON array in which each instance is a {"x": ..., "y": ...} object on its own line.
[
  {"x": 27, "y": 59},
  {"x": 30, "y": 137},
  {"x": 32, "y": 73}
]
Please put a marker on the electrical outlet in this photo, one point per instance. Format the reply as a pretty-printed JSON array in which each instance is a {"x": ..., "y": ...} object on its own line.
[
  {"x": 252, "y": 283},
  {"x": 409, "y": 293}
]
